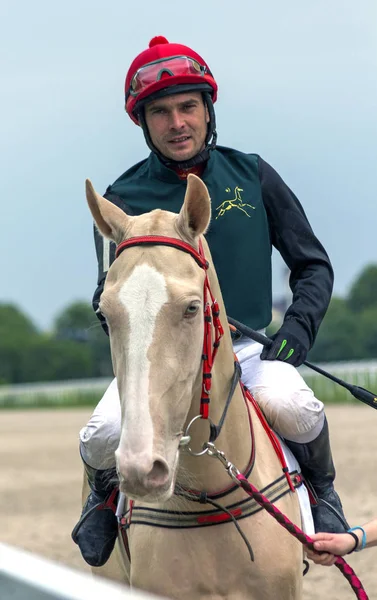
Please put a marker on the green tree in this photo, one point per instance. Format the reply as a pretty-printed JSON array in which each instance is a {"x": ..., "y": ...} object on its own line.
[
  {"x": 363, "y": 293},
  {"x": 339, "y": 337},
  {"x": 17, "y": 332},
  {"x": 79, "y": 349},
  {"x": 48, "y": 359},
  {"x": 367, "y": 323},
  {"x": 78, "y": 323},
  {"x": 15, "y": 324}
]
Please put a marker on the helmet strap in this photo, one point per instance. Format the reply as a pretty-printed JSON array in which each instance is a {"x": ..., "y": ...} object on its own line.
[{"x": 201, "y": 157}]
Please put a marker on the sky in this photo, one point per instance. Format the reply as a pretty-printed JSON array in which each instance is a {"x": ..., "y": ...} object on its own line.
[{"x": 297, "y": 85}]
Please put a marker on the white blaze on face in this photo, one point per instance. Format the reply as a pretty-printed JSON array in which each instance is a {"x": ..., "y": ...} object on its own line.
[{"x": 143, "y": 294}]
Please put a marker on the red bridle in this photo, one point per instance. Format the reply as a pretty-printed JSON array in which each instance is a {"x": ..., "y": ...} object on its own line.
[{"x": 211, "y": 311}]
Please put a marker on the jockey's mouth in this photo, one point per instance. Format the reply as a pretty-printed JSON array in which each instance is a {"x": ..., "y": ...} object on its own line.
[{"x": 180, "y": 140}]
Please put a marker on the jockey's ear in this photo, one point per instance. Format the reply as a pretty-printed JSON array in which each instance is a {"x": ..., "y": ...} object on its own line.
[
  {"x": 111, "y": 221},
  {"x": 195, "y": 213}
]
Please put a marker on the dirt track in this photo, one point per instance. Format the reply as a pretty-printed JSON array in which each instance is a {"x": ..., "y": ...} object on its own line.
[{"x": 40, "y": 486}]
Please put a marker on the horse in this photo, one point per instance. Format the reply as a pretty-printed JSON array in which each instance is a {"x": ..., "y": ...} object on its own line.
[{"x": 155, "y": 295}]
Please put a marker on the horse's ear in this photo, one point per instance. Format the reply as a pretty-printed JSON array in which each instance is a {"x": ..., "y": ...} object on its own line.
[
  {"x": 195, "y": 213},
  {"x": 111, "y": 221}
]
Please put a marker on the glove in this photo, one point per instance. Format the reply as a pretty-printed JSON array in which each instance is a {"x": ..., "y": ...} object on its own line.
[{"x": 285, "y": 347}]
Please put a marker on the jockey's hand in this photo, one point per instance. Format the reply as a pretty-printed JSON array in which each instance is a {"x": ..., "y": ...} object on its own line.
[
  {"x": 286, "y": 347},
  {"x": 328, "y": 546}
]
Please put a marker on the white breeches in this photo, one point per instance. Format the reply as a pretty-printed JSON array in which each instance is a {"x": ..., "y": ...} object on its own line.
[{"x": 288, "y": 403}]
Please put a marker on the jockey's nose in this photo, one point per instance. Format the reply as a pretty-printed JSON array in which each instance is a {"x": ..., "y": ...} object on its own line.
[{"x": 176, "y": 120}]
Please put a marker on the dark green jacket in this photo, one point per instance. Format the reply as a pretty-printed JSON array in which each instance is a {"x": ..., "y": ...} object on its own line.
[{"x": 252, "y": 210}]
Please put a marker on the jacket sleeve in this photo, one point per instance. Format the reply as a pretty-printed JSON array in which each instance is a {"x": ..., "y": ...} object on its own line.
[
  {"x": 311, "y": 274},
  {"x": 105, "y": 250}
]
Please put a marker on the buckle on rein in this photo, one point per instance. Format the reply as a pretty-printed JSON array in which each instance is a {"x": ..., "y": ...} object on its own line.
[
  {"x": 219, "y": 454},
  {"x": 210, "y": 449}
]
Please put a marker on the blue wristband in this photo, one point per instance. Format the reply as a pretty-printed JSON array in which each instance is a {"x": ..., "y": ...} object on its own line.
[{"x": 363, "y": 539}]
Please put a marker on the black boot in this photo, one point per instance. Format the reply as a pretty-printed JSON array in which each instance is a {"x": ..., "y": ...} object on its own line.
[
  {"x": 97, "y": 529},
  {"x": 318, "y": 469}
]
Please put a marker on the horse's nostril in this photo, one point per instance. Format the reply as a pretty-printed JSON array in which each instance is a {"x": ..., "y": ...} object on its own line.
[{"x": 159, "y": 473}]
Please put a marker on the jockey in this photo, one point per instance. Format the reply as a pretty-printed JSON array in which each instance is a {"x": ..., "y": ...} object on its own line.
[{"x": 169, "y": 93}]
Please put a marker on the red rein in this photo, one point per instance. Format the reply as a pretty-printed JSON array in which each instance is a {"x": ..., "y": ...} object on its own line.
[{"x": 347, "y": 571}]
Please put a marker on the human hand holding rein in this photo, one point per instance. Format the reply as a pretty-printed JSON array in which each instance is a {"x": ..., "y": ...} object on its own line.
[{"x": 328, "y": 546}]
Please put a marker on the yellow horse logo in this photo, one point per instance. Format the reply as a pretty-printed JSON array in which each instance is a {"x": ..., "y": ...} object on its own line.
[{"x": 235, "y": 202}]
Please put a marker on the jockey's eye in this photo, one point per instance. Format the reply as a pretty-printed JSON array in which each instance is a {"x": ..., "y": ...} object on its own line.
[{"x": 191, "y": 310}]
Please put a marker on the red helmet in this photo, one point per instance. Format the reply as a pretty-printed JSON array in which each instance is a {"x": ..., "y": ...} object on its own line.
[{"x": 164, "y": 65}]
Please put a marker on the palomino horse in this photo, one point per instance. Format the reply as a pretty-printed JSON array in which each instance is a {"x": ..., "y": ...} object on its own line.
[{"x": 153, "y": 300}]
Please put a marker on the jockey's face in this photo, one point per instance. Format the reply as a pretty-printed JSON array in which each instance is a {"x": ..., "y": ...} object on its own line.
[{"x": 177, "y": 125}]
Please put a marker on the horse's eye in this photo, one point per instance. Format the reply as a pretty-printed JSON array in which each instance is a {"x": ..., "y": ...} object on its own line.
[{"x": 191, "y": 310}]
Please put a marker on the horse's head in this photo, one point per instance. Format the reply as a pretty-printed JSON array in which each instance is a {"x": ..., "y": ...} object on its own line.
[{"x": 153, "y": 304}]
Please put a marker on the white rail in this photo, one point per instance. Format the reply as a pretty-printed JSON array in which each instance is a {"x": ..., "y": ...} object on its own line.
[
  {"x": 362, "y": 373},
  {"x": 52, "y": 392},
  {"x": 347, "y": 366},
  {"x": 24, "y": 576},
  {"x": 55, "y": 387}
]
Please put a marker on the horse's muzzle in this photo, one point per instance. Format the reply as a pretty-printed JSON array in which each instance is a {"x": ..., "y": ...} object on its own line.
[{"x": 144, "y": 479}]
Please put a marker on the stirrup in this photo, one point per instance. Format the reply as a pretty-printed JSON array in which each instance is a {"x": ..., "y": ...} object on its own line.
[
  {"x": 108, "y": 504},
  {"x": 316, "y": 501},
  {"x": 336, "y": 513}
]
